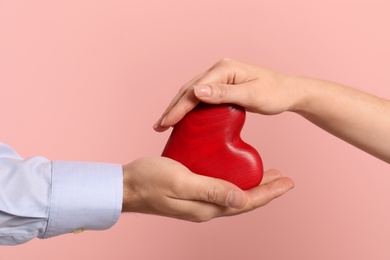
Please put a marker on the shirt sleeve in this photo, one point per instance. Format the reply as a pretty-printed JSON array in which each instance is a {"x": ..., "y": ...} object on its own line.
[{"x": 43, "y": 198}]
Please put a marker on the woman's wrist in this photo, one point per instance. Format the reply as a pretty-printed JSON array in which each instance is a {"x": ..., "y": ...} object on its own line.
[{"x": 303, "y": 94}]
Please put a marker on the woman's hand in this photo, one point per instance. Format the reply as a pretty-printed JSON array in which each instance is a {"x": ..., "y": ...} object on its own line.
[{"x": 257, "y": 89}]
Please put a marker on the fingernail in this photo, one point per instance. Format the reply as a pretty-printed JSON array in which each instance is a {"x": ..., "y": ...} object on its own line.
[
  {"x": 202, "y": 91},
  {"x": 163, "y": 121},
  {"x": 236, "y": 199},
  {"x": 157, "y": 124}
]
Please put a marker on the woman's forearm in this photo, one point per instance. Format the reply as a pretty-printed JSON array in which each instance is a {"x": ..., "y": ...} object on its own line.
[{"x": 360, "y": 119}]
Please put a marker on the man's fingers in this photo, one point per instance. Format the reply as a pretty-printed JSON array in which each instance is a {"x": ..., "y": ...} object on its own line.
[
  {"x": 216, "y": 191},
  {"x": 219, "y": 198},
  {"x": 271, "y": 175},
  {"x": 268, "y": 191}
]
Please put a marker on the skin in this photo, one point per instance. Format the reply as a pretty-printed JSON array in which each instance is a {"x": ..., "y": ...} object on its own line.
[
  {"x": 164, "y": 187},
  {"x": 359, "y": 118}
]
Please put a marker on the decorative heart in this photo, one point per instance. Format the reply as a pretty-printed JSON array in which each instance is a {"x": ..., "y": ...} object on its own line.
[{"x": 207, "y": 141}]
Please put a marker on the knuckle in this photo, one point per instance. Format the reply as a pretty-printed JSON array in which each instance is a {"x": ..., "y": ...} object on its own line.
[
  {"x": 222, "y": 62},
  {"x": 226, "y": 60},
  {"x": 212, "y": 195},
  {"x": 223, "y": 91},
  {"x": 176, "y": 186}
]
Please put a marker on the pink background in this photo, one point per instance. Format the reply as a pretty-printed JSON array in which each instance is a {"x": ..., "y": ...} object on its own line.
[{"x": 86, "y": 80}]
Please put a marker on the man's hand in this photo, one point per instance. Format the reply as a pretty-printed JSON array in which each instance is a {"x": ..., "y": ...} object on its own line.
[{"x": 162, "y": 186}]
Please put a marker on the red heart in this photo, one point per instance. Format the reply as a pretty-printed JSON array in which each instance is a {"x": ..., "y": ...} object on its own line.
[{"x": 207, "y": 141}]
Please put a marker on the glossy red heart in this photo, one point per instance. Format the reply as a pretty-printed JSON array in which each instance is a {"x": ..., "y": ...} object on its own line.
[{"x": 207, "y": 141}]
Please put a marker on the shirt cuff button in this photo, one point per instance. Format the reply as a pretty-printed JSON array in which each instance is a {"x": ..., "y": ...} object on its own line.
[{"x": 78, "y": 231}]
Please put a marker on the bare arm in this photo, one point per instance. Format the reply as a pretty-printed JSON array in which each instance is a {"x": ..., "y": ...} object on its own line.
[{"x": 361, "y": 119}]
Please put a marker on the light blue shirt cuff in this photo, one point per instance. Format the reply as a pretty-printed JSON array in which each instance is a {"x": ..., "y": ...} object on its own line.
[{"x": 85, "y": 196}]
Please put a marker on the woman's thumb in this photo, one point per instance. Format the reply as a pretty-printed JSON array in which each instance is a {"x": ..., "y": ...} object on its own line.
[{"x": 217, "y": 93}]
